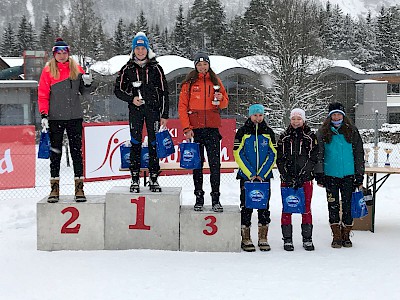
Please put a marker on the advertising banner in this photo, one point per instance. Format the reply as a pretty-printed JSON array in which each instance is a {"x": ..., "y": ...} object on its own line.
[
  {"x": 101, "y": 147},
  {"x": 17, "y": 157}
]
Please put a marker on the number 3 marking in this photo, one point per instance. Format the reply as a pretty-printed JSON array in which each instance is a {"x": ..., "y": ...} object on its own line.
[
  {"x": 74, "y": 216},
  {"x": 212, "y": 225}
]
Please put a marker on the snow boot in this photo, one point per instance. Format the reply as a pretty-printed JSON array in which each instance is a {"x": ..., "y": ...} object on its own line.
[
  {"x": 346, "y": 229},
  {"x": 287, "y": 237},
  {"x": 306, "y": 232},
  {"x": 247, "y": 243},
  {"x": 262, "y": 237},
  {"x": 134, "y": 188},
  {"x": 337, "y": 236},
  {"x": 198, "y": 206},
  {"x": 55, "y": 190},
  {"x": 79, "y": 193},
  {"x": 153, "y": 182},
  {"x": 216, "y": 205}
]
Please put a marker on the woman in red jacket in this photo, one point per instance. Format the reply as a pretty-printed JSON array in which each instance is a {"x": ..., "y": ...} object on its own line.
[
  {"x": 61, "y": 83},
  {"x": 201, "y": 98}
]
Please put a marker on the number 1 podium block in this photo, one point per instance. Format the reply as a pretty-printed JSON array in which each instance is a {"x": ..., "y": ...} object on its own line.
[
  {"x": 208, "y": 231},
  {"x": 144, "y": 220},
  {"x": 68, "y": 225}
]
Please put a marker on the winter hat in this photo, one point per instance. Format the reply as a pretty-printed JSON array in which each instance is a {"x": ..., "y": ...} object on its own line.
[
  {"x": 336, "y": 107},
  {"x": 298, "y": 112},
  {"x": 200, "y": 56},
  {"x": 256, "y": 109},
  {"x": 140, "y": 39},
  {"x": 60, "y": 44}
]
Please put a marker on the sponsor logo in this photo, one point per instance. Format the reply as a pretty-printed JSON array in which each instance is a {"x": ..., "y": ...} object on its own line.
[
  {"x": 6, "y": 164},
  {"x": 256, "y": 196},
  {"x": 292, "y": 201},
  {"x": 188, "y": 155},
  {"x": 167, "y": 143}
]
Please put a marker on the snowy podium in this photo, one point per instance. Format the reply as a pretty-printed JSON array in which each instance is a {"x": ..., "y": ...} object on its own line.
[
  {"x": 208, "y": 231},
  {"x": 145, "y": 220},
  {"x": 68, "y": 225}
]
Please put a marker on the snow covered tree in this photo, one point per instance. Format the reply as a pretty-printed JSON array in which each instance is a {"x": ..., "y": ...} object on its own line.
[
  {"x": 141, "y": 23},
  {"x": 121, "y": 44},
  {"x": 46, "y": 37},
  {"x": 180, "y": 35},
  {"x": 215, "y": 27},
  {"x": 293, "y": 53},
  {"x": 8, "y": 44},
  {"x": 26, "y": 37},
  {"x": 197, "y": 18},
  {"x": 234, "y": 36}
]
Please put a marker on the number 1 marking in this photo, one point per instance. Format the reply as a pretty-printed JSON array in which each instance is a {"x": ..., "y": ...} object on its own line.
[{"x": 140, "y": 213}]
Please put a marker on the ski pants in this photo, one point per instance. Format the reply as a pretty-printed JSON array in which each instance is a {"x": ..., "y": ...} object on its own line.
[
  {"x": 306, "y": 218},
  {"x": 137, "y": 117},
  {"x": 74, "y": 133},
  {"x": 209, "y": 139},
  {"x": 246, "y": 213},
  {"x": 333, "y": 186}
]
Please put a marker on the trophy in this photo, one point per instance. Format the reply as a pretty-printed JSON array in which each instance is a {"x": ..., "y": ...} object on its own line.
[
  {"x": 388, "y": 151},
  {"x": 366, "y": 156},
  {"x": 137, "y": 85},
  {"x": 216, "y": 90},
  {"x": 376, "y": 148}
]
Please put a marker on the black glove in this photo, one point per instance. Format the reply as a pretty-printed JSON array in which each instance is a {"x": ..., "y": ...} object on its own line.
[
  {"x": 358, "y": 180},
  {"x": 320, "y": 178}
]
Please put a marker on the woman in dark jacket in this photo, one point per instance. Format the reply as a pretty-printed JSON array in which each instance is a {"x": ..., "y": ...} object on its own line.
[
  {"x": 142, "y": 84},
  {"x": 297, "y": 155},
  {"x": 340, "y": 168}
]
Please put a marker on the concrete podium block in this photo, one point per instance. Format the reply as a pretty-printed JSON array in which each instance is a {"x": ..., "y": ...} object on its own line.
[
  {"x": 208, "y": 231},
  {"x": 143, "y": 220},
  {"x": 68, "y": 225}
]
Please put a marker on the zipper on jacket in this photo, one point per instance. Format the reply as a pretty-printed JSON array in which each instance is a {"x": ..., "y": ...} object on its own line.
[
  {"x": 257, "y": 156},
  {"x": 205, "y": 101}
]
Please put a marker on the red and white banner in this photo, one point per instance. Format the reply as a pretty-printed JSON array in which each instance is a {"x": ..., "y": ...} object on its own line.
[
  {"x": 17, "y": 157},
  {"x": 101, "y": 143}
]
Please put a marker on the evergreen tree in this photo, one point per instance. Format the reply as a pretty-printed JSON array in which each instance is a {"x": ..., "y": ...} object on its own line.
[
  {"x": 234, "y": 36},
  {"x": 181, "y": 45},
  {"x": 26, "y": 37},
  {"x": 196, "y": 20},
  {"x": 215, "y": 27},
  {"x": 8, "y": 44},
  {"x": 46, "y": 37},
  {"x": 141, "y": 23},
  {"x": 101, "y": 44},
  {"x": 120, "y": 40}
]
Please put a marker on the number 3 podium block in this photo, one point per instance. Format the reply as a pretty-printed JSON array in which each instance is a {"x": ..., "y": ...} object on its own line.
[
  {"x": 208, "y": 231},
  {"x": 68, "y": 225},
  {"x": 144, "y": 220}
]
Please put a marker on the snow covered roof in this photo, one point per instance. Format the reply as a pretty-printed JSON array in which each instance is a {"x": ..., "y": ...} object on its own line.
[
  {"x": 371, "y": 81},
  {"x": 13, "y": 61},
  {"x": 346, "y": 64}
]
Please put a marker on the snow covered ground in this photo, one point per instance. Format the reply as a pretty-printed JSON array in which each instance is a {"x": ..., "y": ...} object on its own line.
[{"x": 369, "y": 270}]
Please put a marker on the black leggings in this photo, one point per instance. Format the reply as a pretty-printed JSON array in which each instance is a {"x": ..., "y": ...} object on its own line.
[
  {"x": 74, "y": 133},
  {"x": 137, "y": 117},
  {"x": 209, "y": 139},
  {"x": 333, "y": 186}
]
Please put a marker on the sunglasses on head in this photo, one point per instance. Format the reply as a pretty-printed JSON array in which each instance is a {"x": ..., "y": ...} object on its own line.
[{"x": 58, "y": 49}]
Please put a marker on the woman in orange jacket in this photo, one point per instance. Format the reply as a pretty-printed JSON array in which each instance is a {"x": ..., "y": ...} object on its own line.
[{"x": 201, "y": 98}]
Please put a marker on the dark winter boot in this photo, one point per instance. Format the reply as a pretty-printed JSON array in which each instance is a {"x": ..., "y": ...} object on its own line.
[
  {"x": 346, "y": 229},
  {"x": 134, "y": 188},
  {"x": 198, "y": 206},
  {"x": 287, "y": 237},
  {"x": 79, "y": 194},
  {"x": 247, "y": 243},
  {"x": 337, "y": 236},
  {"x": 153, "y": 182},
  {"x": 306, "y": 232},
  {"x": 262, "y": 238},
  {"x": 55, "y": 190},
  {"x": 216, "y": 205}
]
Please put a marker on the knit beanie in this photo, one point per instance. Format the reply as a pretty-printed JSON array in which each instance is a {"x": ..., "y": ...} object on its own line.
[
  {"x": 60, "y": 43},
  {"x": 336, "y": 107},
  {"x": 140, "y": 39},
  {"x": 299, "y": 113},
  {"x": 256, "y": 109},
  {"x": 200, "y": 56}
]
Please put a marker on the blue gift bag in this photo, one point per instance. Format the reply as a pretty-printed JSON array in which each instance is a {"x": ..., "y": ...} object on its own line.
[
  {"x": 44, "y": 145},
  {"x": 125, "y": 150},
  {"x": 293, "y": 200},
  {"x": 164, "y": 144},
  {"x": 256, "y": 194},
  {"x": 358, "y": 205},
  {"x": 190, "y": 156}
]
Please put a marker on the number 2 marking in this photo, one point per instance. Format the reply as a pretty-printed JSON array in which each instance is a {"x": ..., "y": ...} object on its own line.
[
  {"x": 212, "y": 225},
  {"x": 74, "y": 216},
  {"x": 140, "y": 213}
]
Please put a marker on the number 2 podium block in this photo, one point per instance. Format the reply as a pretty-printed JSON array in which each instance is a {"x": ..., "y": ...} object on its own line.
[
  {"x": 68, "y": 225},
  {"x": 144, "y": 220},
  {"x": 208, "y": 231}
]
